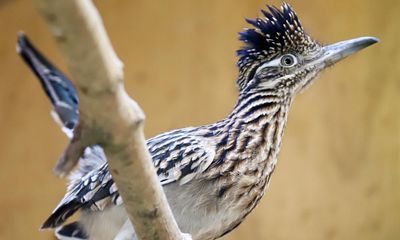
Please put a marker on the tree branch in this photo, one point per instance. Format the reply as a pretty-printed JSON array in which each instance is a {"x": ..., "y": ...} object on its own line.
[{"x": 108, "y": 116}]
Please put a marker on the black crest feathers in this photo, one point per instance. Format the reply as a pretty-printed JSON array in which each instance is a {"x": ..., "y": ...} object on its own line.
[{"x": 278, "y": 31}]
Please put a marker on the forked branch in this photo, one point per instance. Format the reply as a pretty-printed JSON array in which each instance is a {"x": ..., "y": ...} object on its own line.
[{"x": 108, "y": 116}]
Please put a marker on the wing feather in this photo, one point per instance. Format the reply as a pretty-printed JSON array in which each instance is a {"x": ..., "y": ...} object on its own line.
[{"x": 178, "y": 157}]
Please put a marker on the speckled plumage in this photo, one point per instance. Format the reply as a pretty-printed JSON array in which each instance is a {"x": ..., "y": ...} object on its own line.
[{"x": 213, "y": 175}]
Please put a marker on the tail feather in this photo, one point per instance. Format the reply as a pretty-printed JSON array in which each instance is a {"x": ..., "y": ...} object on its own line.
[
  {"x": 72, "y": 231},
  {"x": 58, "y": 88}
]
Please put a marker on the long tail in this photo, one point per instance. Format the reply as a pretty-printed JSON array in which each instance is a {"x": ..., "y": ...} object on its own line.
[{"x": 58, "y": 88}]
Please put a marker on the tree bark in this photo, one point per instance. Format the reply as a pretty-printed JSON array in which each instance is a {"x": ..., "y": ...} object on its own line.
[{"x": 108, "y": 116}]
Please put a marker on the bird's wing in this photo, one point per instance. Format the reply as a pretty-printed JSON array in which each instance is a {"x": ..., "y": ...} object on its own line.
[{"x": 178, "y": 156}]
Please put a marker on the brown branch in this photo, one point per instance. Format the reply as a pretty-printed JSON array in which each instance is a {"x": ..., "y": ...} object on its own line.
[{"x": 108, "y": 116}]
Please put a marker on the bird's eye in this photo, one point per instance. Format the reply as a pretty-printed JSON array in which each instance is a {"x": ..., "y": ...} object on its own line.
[{"x": 288, "y": 60}]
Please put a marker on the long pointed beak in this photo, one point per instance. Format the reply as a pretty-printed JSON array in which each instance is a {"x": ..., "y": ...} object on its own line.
[{"x": 338, "y": 51}]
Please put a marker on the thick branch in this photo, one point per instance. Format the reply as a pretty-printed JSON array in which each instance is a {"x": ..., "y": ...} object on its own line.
[{"x": 108, "y": 116}]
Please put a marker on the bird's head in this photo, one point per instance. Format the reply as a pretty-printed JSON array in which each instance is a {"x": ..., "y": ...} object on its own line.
[{"x": 279, "y": 55}]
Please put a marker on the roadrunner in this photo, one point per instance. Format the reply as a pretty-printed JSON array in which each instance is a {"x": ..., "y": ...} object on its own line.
[{"x": 213, "y": 175}]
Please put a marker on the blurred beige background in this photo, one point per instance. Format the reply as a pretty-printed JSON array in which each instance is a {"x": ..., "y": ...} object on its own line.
[{"x": 338, "y": 174}]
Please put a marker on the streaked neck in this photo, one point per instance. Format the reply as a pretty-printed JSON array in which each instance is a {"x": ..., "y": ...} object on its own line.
[{"x": 255, "y": 127}]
